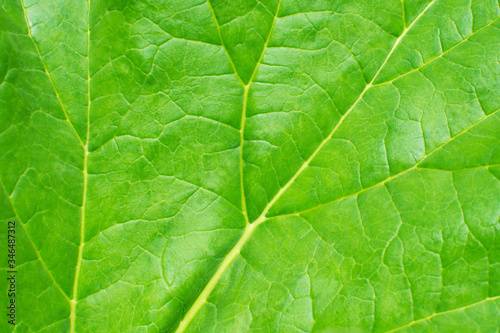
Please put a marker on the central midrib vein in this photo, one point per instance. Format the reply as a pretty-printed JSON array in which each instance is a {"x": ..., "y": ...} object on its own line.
[
  {"x": 74, "y": 299},
  {"x": 250, "y": 227}
]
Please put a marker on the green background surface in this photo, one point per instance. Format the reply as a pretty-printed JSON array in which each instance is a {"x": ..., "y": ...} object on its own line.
[{"x": 251, "y": 165}]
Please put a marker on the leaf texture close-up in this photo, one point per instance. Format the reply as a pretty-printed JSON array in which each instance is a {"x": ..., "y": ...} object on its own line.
[{"x": 250, "y": 165}]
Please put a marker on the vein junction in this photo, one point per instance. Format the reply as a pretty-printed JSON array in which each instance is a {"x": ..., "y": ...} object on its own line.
[{"x": 250, "y": 227}]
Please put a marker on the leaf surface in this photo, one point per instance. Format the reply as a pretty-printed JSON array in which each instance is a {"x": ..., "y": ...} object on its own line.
[{"x": 252, "y": 166}]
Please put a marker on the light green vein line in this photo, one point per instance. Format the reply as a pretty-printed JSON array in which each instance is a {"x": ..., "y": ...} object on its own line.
[
  {"x": 47, "y": 72},
  {"x": 244, "y": 115},
  {"x": 444, "y": 313},
  {"x": 368, "y": 86},
  {"x": 265, "y": 45},
  {"x": 223, "y": 44},
  {"x": 228, "y": 259},
  {"x": 464, "y": 169},
  {"x": 33, "y": 244},
  {"x": 243, "y": 112},
  {"x": 74, "y": 300},
  {"x": 249, "y": 229},
  {"x": 416, "y": 166},
  {"x": 242, "y": 163},
  {"x": 439, "y": 56}
]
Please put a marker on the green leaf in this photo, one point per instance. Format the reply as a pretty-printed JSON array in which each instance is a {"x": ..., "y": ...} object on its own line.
[{"x": 251, "y": 166}]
